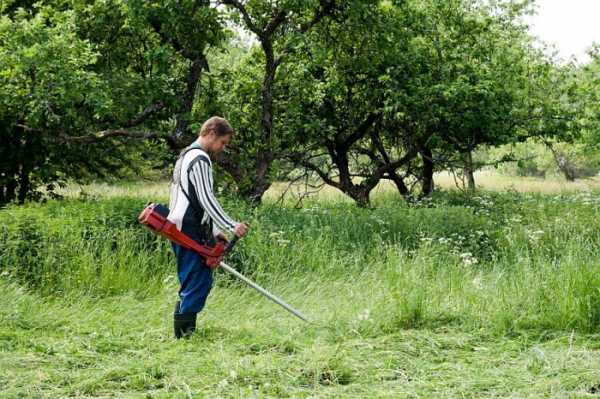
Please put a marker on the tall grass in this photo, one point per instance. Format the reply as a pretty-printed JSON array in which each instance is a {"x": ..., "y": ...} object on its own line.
[
  {"x": 92, "y": 247},
  {"x": 502, "y": 262}
]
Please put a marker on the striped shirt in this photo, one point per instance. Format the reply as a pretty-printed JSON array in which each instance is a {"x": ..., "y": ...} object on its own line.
[{"x": 204, "y": 217}]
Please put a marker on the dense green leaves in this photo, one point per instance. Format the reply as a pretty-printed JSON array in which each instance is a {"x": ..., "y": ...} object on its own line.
[
  {"x": 45, "y": 88},
  {"x": 82, "y": 82},
  {"x": 348, "y": 93}
]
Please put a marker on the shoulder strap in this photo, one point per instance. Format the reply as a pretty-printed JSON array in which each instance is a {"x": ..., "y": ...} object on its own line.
[
  {"x": 199, "y": 158},
  {"x": 181, "y": 155}
]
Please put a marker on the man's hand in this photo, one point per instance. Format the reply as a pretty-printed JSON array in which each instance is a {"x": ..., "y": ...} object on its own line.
[
  {"x": 240, "y": 230},
  {"x": 222, "y": 237}
]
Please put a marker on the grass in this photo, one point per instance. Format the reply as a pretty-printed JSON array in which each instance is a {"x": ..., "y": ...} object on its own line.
[
  {"x": 488, "y": 180},
  {"x": 490, "y": 295},
  {"x": 491, "y": 180},
  {"x": 122, "y": 347}
]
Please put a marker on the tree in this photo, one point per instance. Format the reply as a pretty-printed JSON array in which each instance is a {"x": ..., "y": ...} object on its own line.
[
  {"x": 481, "y": 70},
  {"x": 45, "y": 82},
  {"x": 277, "y": 28},
  {"x": 339, "y": 101},
  {"x": 588, "y": 93},
  {"x": 84, "y": 82},
  {"x": 572, "y": 92},
  {"x": 394, "y": 90}
]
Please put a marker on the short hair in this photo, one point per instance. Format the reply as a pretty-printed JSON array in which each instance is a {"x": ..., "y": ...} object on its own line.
[{"x": 220, "y": 126}]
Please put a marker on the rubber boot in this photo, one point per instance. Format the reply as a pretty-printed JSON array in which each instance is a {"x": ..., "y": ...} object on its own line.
[{"x": 184, "y": 324}]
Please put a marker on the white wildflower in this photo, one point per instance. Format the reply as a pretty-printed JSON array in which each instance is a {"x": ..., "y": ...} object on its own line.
[
  {"x": 534, "y": 236},
  {"x": 468, "y": 259},
  {"x": 223, "y": 383},
  {"x": 364, "y": 315}
]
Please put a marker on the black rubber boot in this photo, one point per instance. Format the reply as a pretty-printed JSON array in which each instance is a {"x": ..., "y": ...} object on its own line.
[{"x": 184, "y": 324}]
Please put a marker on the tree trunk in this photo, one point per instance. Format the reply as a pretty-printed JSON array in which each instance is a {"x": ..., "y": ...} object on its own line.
[
  {"x": 359, "y": 193},
  {"x": 264, "y": 158},
  {"x": 187, "y": 98},
  {"x": 8, "y": 191},
  {"x": 11, "y": 190},
  {"x": 9, "y": 185},
  {"x": 24, "y": 185},
  {"x": 24, "y": 169},
  {"x": 360, "y": 196},
  {"x": 427, "y": 183},
  {"x": 261, "y": 182},
  {"x": 400, "y": 185},
  {"x": 565, "y": 166},
  {"x": 468, "y": 170}
]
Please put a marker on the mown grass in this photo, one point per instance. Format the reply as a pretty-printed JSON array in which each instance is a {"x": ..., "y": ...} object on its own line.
[{"x": 490, "y": 295}]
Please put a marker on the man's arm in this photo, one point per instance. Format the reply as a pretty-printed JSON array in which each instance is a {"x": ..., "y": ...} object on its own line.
[{"x": 200, "y": 176}]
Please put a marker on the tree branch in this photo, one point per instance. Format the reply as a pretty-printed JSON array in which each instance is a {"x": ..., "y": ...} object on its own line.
[
  {"x": 274, "y": 23},
  {"x": 360, "y": 131},
  {"x": 392, "y": 166},
  {"x": 300, "y": 159},
  {"x": 106, "y": 134},
  {"x": 145, "y": 114},
  {"x": 326, "y": 8},
  {"x": 247, "y": 19}
]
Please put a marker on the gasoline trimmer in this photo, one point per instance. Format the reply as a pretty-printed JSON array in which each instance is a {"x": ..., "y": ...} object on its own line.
[{"x": 154, "y": 216}]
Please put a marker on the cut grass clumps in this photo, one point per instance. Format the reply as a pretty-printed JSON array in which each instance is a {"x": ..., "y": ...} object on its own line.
[{"x": 329, "y": 373}]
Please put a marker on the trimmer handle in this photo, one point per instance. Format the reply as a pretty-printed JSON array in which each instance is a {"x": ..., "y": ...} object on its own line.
[{"x": 230, "y": 245}]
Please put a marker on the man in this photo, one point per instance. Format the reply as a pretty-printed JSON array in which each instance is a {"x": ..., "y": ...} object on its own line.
[{"x": 196, "y": 212}]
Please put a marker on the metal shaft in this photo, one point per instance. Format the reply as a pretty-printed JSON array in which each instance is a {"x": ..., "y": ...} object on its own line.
[{"x": 263, "y": 291}]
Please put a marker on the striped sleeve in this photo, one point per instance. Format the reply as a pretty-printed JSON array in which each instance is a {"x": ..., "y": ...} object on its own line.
[{"x": 200, "y": 175}]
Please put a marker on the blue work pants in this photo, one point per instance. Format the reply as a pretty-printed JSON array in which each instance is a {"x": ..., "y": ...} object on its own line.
[{"x": 195, "y": 279}]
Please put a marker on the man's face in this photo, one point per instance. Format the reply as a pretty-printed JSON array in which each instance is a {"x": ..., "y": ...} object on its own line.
[{"x": 216, "y": 144}]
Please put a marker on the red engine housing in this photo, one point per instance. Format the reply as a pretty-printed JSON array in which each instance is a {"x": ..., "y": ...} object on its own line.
[{"x": 154, "y": 216}]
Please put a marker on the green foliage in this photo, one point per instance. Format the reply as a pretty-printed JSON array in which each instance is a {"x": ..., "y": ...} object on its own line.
[
  {"x": 353, "y": 87},
  {"x": 587, "y": 83},
  {"x": 44, "y": 85},
  {"x": 537, "y": 160},
  {"x": 384, "y": 82},
  {"x": 49, "y": 91},
  {"x": 75, "y": 76}
]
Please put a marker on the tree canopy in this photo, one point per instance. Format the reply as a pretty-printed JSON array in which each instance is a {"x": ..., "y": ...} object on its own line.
[{"x": 348, "y": 93}]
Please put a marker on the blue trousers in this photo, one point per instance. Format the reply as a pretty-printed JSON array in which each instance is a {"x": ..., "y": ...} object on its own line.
[{"x": 195, "y": 278}]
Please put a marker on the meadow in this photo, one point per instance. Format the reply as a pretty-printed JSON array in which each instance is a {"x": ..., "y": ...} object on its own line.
[{"x": 491, "y": 294}]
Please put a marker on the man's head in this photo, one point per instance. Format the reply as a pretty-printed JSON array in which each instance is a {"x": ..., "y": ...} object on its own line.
[{"x": 215, "y": 134}]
